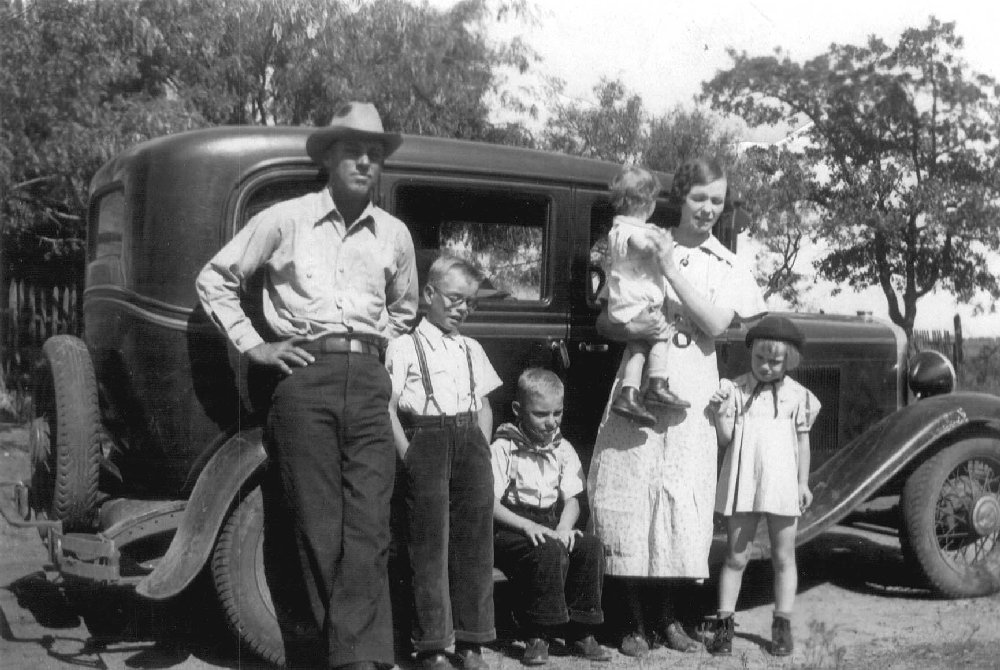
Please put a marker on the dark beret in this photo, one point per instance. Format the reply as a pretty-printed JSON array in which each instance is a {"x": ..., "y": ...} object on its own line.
[{"x": 776, "y": 328}]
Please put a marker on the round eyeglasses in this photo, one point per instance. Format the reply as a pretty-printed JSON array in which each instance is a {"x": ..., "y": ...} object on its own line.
[{"x": 452, "y": 301}]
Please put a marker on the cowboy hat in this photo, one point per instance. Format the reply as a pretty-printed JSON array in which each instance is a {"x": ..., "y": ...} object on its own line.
[{"x": 355, "y": 120}]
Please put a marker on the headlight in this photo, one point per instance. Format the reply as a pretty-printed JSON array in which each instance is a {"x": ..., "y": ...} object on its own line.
[{"x": 930, "y": 373}]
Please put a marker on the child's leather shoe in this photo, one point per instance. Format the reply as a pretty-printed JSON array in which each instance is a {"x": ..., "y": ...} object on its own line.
[
  {"x": 659, "y": 393},
  {"x": 589, "y": 649},
  {"x": 781, "y": 636},
  {"x": 628, "y": 404},
  {"x": 536, "y": 652},
  {"x": 721, "y": 644},
  {"x": 634, "y": 645}
]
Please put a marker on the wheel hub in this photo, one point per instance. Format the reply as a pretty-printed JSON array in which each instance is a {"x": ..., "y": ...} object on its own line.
[{"x": 986, "y": 515}]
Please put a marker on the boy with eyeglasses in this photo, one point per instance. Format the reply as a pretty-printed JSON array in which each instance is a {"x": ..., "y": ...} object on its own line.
[{"x": 441, "y": 421}]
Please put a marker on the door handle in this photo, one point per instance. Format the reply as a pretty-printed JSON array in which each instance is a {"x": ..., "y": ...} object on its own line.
[
  {"x": 593, "y": 348},
  {"x": 560, "y": 346}
]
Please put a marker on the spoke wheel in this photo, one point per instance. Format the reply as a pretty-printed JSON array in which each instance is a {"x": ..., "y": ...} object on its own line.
[
  {"x": 951, "y": 511},
  {"x": 64, "y": 434}
]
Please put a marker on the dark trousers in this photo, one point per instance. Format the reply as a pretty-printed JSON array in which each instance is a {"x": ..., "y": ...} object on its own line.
[
  {"x": 449, "y": 503},
  {"x": 553, "y": 585},
  {"x": 326, "y": 511}
]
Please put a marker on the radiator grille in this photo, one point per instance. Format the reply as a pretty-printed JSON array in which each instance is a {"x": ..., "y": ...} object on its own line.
[{"x": 824, "y": 382}]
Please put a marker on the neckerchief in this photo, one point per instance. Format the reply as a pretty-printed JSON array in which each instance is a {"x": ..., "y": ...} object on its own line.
[
  {"x": 762, "y": 387},
  {"x": 509, "y": 431}
]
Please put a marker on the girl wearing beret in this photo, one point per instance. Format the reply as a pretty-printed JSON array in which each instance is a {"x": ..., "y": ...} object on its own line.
[{"x": 763, "y": 418}]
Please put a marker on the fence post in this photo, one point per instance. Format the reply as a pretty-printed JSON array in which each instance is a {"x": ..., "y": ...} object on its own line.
[{"x": 958, "y": 355}]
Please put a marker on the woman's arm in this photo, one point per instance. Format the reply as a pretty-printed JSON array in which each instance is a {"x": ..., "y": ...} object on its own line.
[{"x": 710, "y": 318}]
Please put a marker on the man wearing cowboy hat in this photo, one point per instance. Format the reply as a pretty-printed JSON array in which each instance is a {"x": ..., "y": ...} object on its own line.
[{"x": 340, "y": 281}]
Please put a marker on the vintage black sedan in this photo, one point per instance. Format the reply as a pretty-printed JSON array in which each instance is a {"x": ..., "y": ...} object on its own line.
[{"x": 146, "y": 439}]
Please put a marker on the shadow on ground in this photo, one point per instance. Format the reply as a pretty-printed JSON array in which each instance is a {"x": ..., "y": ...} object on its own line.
[{"x": 94, "y": 620}]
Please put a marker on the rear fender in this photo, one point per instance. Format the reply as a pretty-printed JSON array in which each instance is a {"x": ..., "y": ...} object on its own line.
[
  {"x": 220, "y": 481},
  {"x": 870, "y": 460}
]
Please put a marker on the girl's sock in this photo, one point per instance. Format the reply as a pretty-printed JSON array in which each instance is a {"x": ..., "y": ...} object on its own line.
[{"x": 783, "y": 615}]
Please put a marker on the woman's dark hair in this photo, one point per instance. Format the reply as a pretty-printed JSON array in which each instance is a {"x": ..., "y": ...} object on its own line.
[{"x": 697, "y": 172}]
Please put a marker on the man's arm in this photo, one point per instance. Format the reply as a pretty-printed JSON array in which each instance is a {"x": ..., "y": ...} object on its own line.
[
  {"x": 401, "y": 292},
  {"x": 219, "y": 284}
]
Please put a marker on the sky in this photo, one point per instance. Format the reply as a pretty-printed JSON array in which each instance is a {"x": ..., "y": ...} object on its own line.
[{"x": 665, "y": 49}]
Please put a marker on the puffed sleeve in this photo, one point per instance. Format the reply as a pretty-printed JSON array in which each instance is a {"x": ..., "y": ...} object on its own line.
[
  {"x": 737, "y": 289},
  {"x": 806, "y": 410}
]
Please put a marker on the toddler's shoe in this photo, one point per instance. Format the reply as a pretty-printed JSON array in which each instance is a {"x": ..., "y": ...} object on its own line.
[
  {"x": 536, "y": 652},
  {"x": 628, "y": 404},
  {"x": 721, "y": 644},
  {"x": 634, "y": 645},
  {"x": 781, "y": 636},
  {"x": 658, "y": 392},
  {"x": 589, "y": 649}
]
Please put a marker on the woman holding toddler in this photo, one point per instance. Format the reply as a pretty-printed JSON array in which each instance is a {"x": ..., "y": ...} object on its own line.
[{"x": 652, "y": 487}]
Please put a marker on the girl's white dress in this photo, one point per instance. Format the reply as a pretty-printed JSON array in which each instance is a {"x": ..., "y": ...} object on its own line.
[
  {"x": 652, "y": 490},
  {"x": 760, "y": 471}
]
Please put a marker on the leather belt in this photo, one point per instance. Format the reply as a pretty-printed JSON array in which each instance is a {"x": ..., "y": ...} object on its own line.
[
  {"x": 340, "y": 344},
  {"x": 442, "y": 420}
]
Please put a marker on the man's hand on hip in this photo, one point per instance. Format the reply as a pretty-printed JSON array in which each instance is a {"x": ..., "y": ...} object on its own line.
[{"x": 283, "y": 355}]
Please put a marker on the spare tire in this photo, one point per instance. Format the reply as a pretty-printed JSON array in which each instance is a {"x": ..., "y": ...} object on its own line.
[{"x": 64, "y": 436}]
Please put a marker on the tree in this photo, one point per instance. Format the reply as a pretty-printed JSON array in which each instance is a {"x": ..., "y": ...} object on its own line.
[
  {"x": 614, "y": 129},
  {"x": 903, "y": 159},
  {"x": 774, "y": 192},
  {"x": 683, "y": 134}
]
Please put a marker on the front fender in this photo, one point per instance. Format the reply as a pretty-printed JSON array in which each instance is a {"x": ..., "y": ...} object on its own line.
[
  {"x": 870, "y": 460},
  {"x": 217, "y": 486}
]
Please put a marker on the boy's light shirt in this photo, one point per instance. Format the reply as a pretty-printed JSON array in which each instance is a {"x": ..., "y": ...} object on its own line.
[
  {"x": 449, "y": 370},
  {"x": 542, "y": 477},
  {"x": 635, "y": 282}
]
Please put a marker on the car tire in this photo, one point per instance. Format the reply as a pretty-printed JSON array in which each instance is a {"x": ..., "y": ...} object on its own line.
[
  {"x": 65, "y": 434},
  {"x": 951, "y": 518},
  {"x": 238, "y": 575}
]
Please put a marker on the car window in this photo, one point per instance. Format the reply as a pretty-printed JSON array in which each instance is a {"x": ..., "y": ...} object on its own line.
[
  {"x": 273, "y": 192},
  {"x": 109, "y": 263},
  {"x": 502, "y": 231}
]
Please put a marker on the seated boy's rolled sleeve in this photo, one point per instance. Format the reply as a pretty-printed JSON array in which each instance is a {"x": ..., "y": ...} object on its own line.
[
  {"x": 571, "y": 481},
  {"x": 500, "y": 460}
]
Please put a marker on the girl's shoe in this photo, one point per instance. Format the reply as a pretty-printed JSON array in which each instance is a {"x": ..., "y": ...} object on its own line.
[
  {"x": 634, "y": 645},
  {"x": 781, "y": 637},
  {"x": 721, "y": 643}
]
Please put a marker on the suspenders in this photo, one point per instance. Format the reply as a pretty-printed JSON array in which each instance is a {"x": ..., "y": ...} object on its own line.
[{"x": 425, "y": 375}]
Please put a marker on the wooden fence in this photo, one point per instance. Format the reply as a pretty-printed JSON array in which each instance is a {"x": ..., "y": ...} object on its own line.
[{"x": 31, "y": 313}]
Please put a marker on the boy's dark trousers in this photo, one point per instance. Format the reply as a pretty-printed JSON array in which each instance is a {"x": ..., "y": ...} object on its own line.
[
  {"x": 554, "y": 585},
  {"x": 326, "y": 511},
  {"x": 449, "y": 501}
]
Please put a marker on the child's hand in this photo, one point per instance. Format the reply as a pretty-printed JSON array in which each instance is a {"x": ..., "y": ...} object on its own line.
[
  {"x": 721, "y": 395},
  {"x": 568, "y": 537},
  {"x": 805, "y": 497},
  {"x": 538, "y": 533}
]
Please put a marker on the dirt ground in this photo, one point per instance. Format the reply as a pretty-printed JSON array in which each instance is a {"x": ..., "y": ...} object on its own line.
[{"x": 858, "y": 607}]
